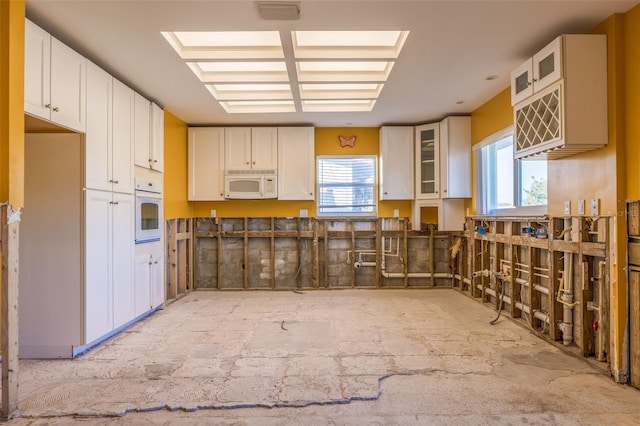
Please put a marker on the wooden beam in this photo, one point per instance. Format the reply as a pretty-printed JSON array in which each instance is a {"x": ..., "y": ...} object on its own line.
[{"x": 10, "y": 239}]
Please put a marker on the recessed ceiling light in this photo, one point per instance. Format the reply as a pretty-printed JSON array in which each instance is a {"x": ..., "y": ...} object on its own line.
[
  {"x": 460, "y": 102},
  {"x": 230, "y": 92},
  {"x": 340, "y": 90},
  {"x": 246, "y": 107},
  {"x": 226, "y": 44},
  {"x": 325, "y": 71},
  {"x": 348, "y": 44},
  {"x": 339, "y": 105},
  {"x": 491, "y": 77},
  {"x": 236, "y": 72},
  {"x": 281, "y": 11}
]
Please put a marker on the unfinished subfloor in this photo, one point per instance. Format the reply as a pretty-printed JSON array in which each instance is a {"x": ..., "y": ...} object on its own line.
[{"x": 324, "y": 357}]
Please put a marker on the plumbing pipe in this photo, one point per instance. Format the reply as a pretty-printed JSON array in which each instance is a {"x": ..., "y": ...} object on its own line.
[
  {"x": 415, "y": 274},
  {"x": 541, "y": 289},
  {"x": 565, "y": 296},
  {"x": 492, "y": 292},
  {"x": 536, "y": 313},
  {"x": 600, "y": 356},
  {"x": 464, "y": 279}
]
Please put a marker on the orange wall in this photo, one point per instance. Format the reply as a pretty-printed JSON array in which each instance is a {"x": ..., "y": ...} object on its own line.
[
  {"x": 175, "y": 168},
  {"x": 490, "y": 118},
  {"x": 632, "y": 101},
  {"x": 12, "y": 14},
  {"x": 326, "y": 143}
]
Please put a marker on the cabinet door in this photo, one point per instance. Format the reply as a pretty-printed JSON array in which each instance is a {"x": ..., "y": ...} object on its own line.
[
  {"x": 522, "y": 82},
  {"x": 98, "y": 136},
  {"x": 37, "y": 71},
  {"x": 206, "y": 163},
  {"x": 547, "y": 68},
  {"x": 396, "y": 163},
  {"x": 68, "y": 85},
  {"x": 157, "y": 279},
  {"x": 98, "y": 293},
  {"x": 296, "y": 163},
  {"x": 237, "y": 148},
  {"x": 455, "y": 157},
  {"x": 123, "y": 235},
  {"x": 142, "y": 154},
  {"x": 142, "y": 280},
  {"x": 157, "y": 138},
  {"x": 264, "y": 148},
  {"x": 122, "y": 130},
  {"x": 427, "y": 161}
]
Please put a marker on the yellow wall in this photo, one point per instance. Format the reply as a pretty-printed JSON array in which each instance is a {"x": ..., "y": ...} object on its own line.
[
  {"x": 12, "y": 14},
  {"x": 175, "y": 168},
  {"x": 326, "y": 143},
  {"x": 632, "y": 102}
]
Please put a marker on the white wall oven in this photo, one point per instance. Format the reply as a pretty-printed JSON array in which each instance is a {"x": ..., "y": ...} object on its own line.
[{"x": 149, "y": 218}]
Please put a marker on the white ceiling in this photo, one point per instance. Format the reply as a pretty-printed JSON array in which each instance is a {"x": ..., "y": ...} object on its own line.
[{"x": 451, "y": 49}]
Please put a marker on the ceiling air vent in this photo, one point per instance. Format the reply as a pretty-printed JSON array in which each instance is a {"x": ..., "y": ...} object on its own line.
[{"x": 279, "y": 11}]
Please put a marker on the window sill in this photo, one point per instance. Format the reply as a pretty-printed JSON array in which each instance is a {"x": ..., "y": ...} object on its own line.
[{"x": 518, "y": 211}]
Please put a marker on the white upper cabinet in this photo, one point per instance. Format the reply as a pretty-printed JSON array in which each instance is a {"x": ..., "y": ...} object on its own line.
[
  {"x": 156, "y": 139},
  {"x": 396, "y": 163},
  {"x": 109, "y": 136},
  {"x": 141, "y": 111},
  {"x": 264, "y": 148},
  {"x": 149, "y": 134},
  {"x": 251, "y": 148},
  {"x": 55, "y": 80},
  {"x": 455, "y": 157},
  {"x": 122, "y": 131},
  {"x": 427, "y": 157},
  {"x": 206, "y": 148},
  {"x": 296, "y": 163},
  {"x": 565, "y": 112},
  {"x": 98, "y": 141}
]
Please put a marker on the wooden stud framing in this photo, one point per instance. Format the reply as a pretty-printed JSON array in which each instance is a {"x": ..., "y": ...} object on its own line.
[
  {"x": 405, "y": 251},
  {"x": 9, "y": 243}
]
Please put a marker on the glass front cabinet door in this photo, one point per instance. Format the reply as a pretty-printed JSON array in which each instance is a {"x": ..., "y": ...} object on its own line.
[{"x": 427, "y": 159}]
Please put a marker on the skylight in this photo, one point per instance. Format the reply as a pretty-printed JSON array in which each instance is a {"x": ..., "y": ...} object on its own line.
[{"x": 246, "y": 71}]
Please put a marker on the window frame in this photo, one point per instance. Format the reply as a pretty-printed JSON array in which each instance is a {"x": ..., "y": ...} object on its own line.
[
  {"x": 482, "y": 199},
  {"x": 374, "y": 186}
]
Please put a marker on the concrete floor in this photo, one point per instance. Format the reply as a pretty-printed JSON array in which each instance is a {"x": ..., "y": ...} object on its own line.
[{"x": 358, "y": 357}]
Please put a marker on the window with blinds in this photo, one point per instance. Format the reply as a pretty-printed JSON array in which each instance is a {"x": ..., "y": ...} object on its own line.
[{"x": 346, "y": 185}]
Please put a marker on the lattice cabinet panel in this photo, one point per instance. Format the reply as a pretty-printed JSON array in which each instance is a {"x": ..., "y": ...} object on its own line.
[{"x": 538, "y": 123}]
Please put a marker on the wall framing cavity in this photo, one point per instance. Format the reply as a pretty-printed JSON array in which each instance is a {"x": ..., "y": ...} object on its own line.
[{"x": 552, "y": 275}]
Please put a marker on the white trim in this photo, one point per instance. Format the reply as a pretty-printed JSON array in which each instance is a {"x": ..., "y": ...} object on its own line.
[{"x": 493, "y": 138}]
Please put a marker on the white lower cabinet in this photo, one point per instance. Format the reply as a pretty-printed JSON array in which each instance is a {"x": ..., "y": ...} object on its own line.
[
  {"x": 148, "y": 285},
  {"x": 109, "y": 238}
]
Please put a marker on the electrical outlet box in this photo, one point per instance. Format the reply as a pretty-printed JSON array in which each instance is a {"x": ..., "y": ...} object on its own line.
[
  {"x": 396, "y": 212},
  {"x": 567, "y": 207},
  {"x": 595, "y": 207},
  {"x": 304, "y": 213},
  {"x": 213, "y": 213},
  {"x": 580, "y": 206}
]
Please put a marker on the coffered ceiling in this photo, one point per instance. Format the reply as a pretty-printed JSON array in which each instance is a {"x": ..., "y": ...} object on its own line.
[{"x": 456, "y": 56}]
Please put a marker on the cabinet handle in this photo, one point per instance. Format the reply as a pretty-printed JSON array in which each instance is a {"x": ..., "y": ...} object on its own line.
[
  {"x": 445, "y": 190},
  {"x": 436, "y": 192},
  {"x": 116, "y": 182},
  {"x": 247, "y": 162},
  {"x": 254, "y": 162},
  {"x": 56, "y": 109},
  {"x": 155, "y": 161},
  {"x": 155, "y": 263},
  {"x": 116, "y": 203},
  {"x": 311, "y": 193},
  {"x": 385, "y": 193},
  {"x": 47, "y": 106}
]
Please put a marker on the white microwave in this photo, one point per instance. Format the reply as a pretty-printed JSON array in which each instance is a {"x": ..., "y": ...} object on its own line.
[{"x": 250, "y": 185}]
